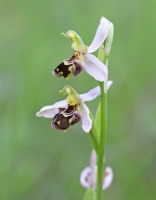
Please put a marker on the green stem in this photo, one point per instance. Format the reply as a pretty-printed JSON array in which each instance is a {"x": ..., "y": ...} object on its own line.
[{"x": 103, "y": 133}]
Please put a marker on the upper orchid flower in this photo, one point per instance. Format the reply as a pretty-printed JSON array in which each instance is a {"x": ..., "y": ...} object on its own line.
[
  {"x": 88, "y": 177},
  {"x": 70, "y": 111},
  {"x": 82, "y": 57}
]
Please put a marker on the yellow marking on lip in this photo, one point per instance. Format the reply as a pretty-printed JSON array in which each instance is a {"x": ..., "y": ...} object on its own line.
[
  {"x": 71, "y": 119},
  {"x": 60, "y": 73},
  {"x": 70, "y": 68},
  {"x": 64, "y": 115},
  {"x": 58, "y": 122}
]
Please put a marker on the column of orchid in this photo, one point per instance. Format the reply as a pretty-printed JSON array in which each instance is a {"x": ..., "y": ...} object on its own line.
[{"x": 73, "y": 109}]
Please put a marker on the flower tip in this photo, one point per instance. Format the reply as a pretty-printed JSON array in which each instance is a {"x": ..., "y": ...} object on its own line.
[
  {"x": 61, "y": 91},
  {"x": 55, "y": 74},
  {"x": 66, "y": 90},
  {"x": 88, "y": 127},
  {"x": 38, "y": 114},
  {"x": 63, "y": 35},
  {"x": 70, "y": 34},
  {"x": 103, "y": 19}
]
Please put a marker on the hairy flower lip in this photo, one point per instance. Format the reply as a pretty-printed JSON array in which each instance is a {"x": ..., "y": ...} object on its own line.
[
  {"x": 68, "y": 67},
  {"x": 65, "y": 118},
  {"x": 62, "y": 70}
]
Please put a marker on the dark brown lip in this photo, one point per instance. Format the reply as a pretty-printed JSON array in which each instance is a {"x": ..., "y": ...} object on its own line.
[{"x": 65, "y": 118}]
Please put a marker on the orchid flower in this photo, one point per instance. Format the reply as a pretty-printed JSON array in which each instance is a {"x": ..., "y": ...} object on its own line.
[
  {"x": 82, "y": 59},
  {"x": 70, "y": 111},
  {"x": 88, "y": 177}
]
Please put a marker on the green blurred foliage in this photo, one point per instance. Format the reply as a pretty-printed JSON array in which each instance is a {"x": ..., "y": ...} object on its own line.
[{"x": 38, "y": 162}]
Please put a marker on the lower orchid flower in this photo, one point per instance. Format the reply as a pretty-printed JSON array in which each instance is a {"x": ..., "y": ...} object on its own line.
[
  {"x": 82, "y": 59},
  {"x": 88, "y": 177},
  {"x": 71, "y": 110}
]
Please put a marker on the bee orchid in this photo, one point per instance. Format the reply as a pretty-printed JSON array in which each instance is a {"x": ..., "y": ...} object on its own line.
[
  {"x": 71, "y": 110},
  {"x": 82, "y": 59}
]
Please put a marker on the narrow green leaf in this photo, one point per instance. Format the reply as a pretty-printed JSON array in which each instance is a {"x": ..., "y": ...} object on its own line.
[
  {"x": 90, "y": 194},
  {"x": 94, "y": 135},
  {"x": 98, "y": 117}
]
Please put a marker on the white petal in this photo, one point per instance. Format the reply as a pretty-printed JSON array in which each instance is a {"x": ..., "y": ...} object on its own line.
[
  {"x": 51, "y": 111},
  {"x": 105, "y": 22},
  {"x": 108, "y": 177},
  {"x": 95, "y": 68},
  {"x": 86, "y": 120},
  {"x": 95, "y": 92},
  {"x": 92, "y": 94},
  {"x": 109, "y": 83},
  {"x": 99, "y": 37},
  {"x": 85, "y": 177}
]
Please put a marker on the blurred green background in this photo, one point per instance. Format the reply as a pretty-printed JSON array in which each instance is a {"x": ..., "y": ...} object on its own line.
[{"x": 38, "y": 162}]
